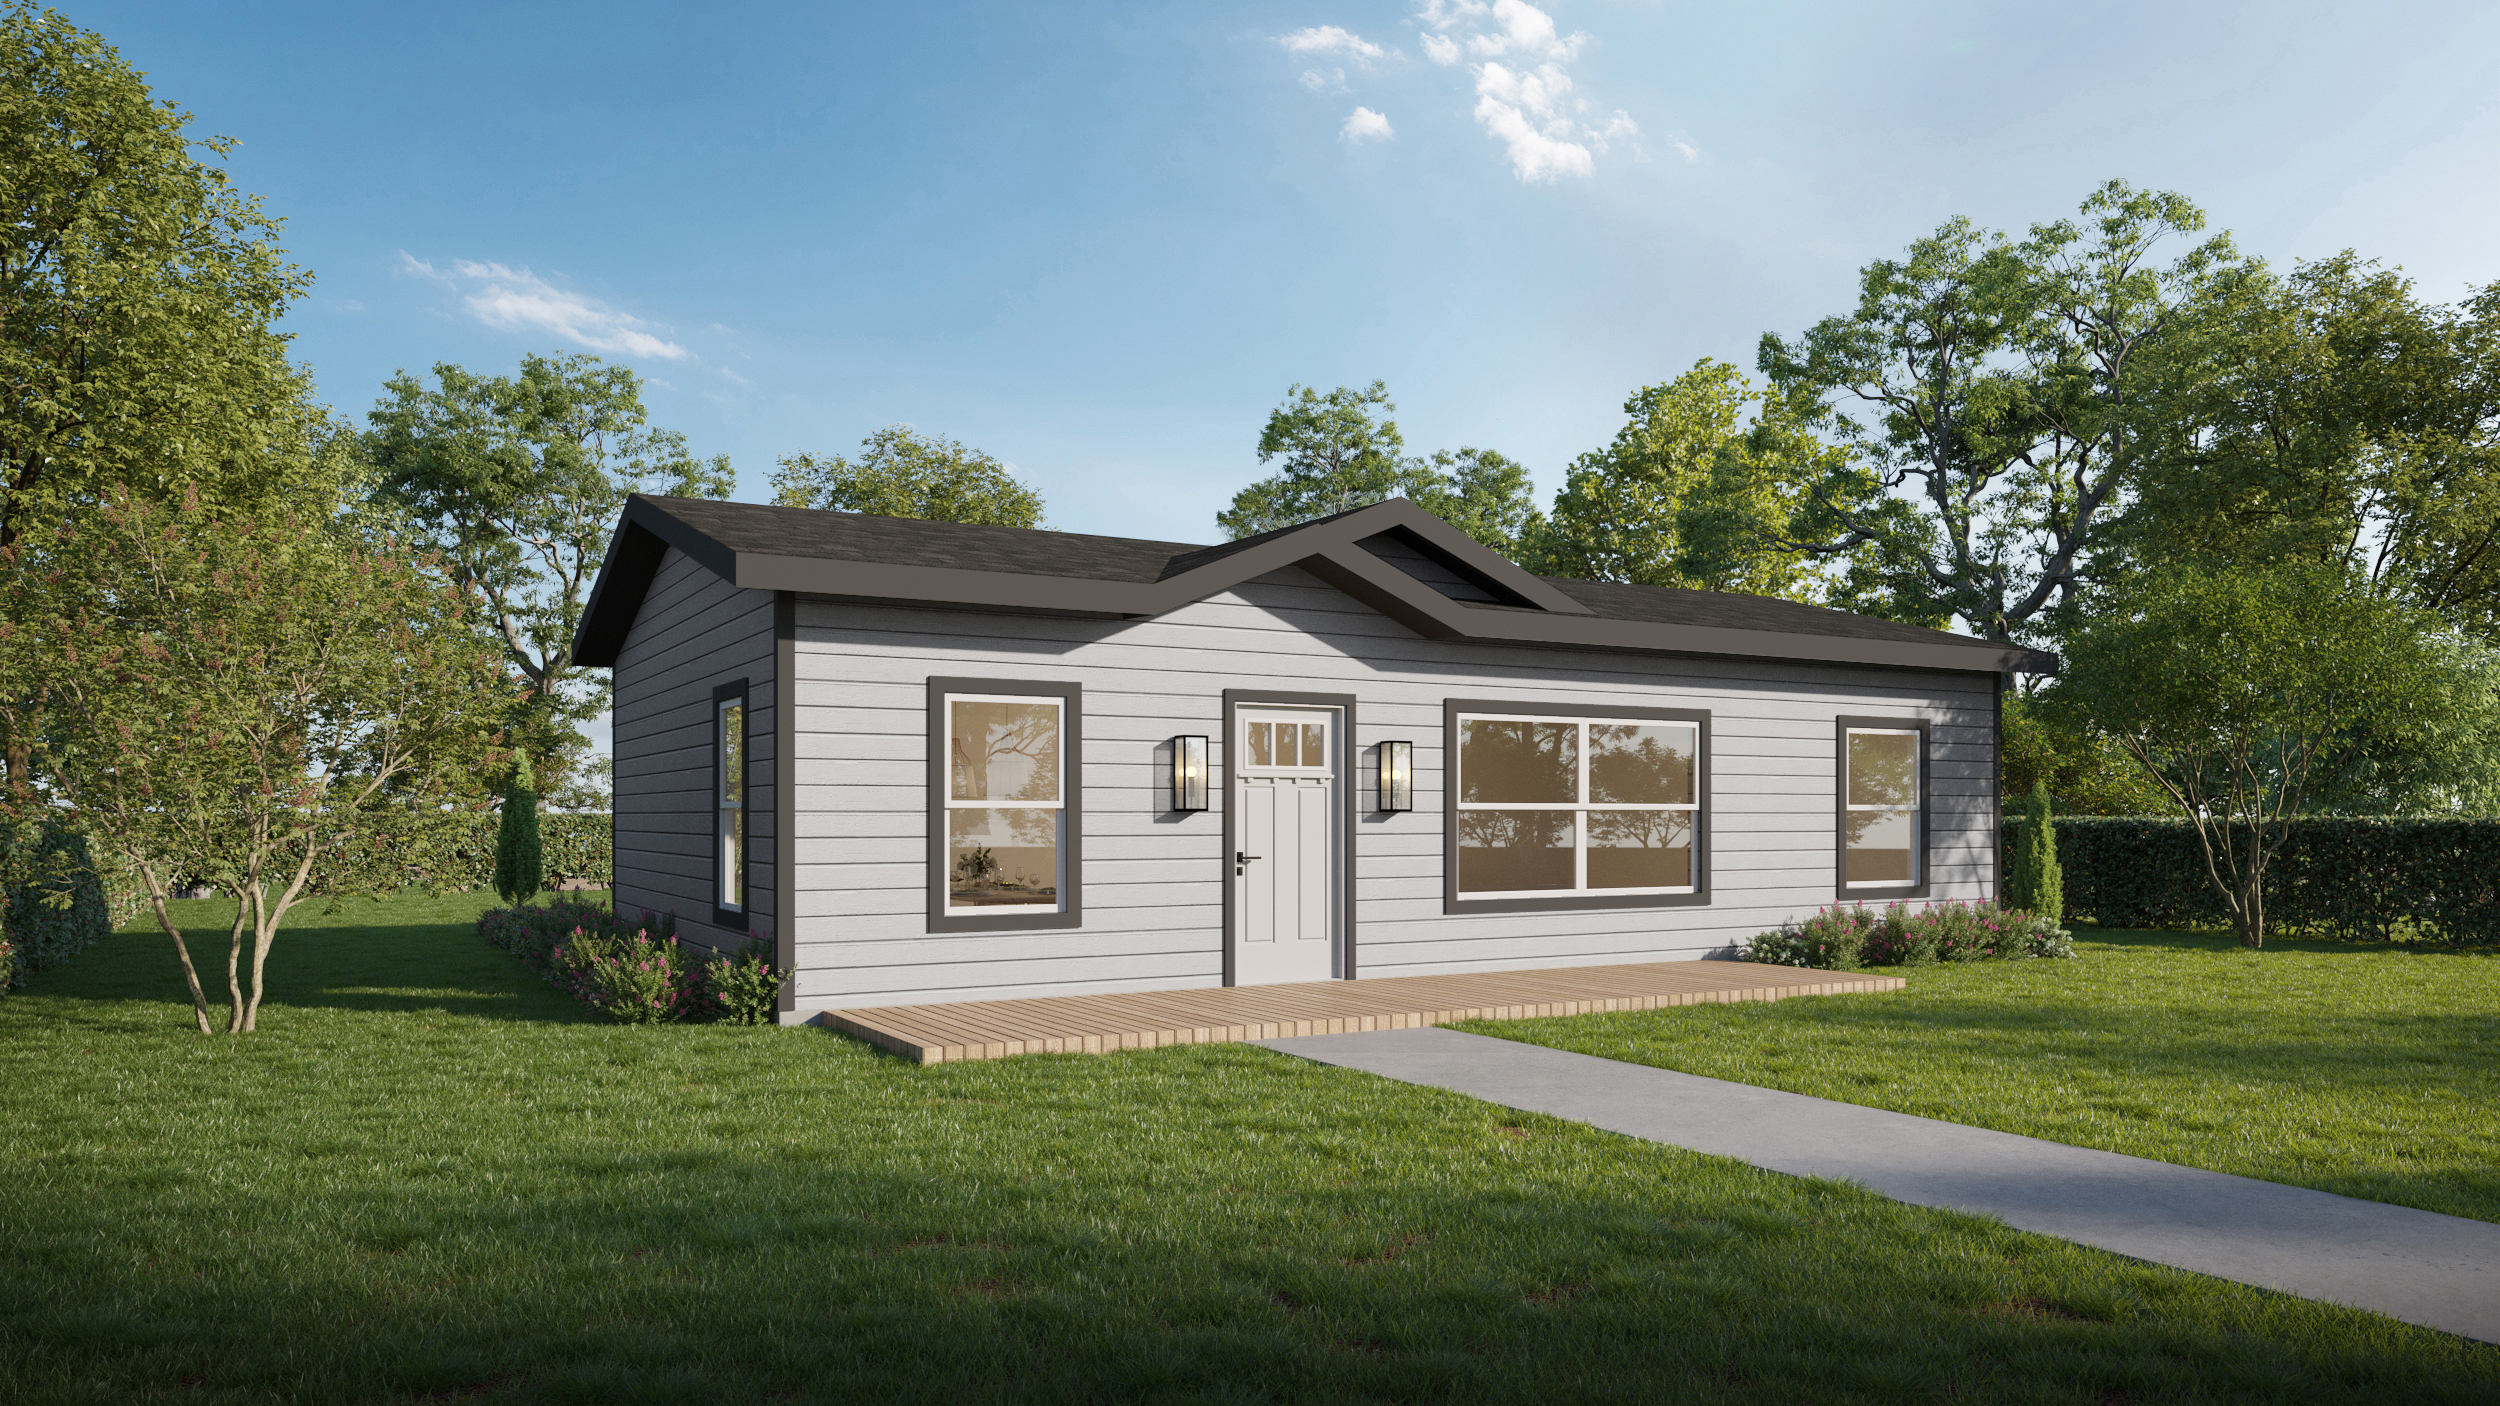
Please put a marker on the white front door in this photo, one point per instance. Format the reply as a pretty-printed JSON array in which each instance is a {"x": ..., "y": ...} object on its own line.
[{"x": 1285, "y": 867}]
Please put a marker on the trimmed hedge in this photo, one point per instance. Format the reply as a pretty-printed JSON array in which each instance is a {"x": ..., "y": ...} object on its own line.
[{"x": 2336, "y": 877}]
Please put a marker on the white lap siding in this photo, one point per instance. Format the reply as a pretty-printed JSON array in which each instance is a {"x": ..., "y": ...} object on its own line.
[
  {"x": 694, "y": 633},
  {"x": 1153, "y": 880}
]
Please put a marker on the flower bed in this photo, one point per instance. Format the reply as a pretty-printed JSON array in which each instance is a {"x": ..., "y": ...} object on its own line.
[
  {"x": 641, "y": 976},
  {"x": 1844, "y": 938}
]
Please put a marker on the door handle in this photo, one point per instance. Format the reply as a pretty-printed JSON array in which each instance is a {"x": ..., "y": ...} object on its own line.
[{"x": 1241, "y": 861}]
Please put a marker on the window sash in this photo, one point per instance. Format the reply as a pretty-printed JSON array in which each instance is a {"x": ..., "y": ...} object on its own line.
[
  {"x": 1581, "y": 810},
  {"x": 1056, "y": 805},
  {"x": 1910, "y": 808},
  {"x": 729, "y": 794}
]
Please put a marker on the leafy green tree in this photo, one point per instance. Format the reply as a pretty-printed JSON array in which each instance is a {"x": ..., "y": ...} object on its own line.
[
  {"x": 139, "y": 294},
  {"x": 2085, "y": 770},
  {"x": 517, "y": 481},
  {"x": 260, "y": 704},
  {"x": 2330, "y": 415},
  {"x": 1991, "y": 393},
  {"x": 1689, "y": 495},
  {"x": 1340, "y": 451},
  {"x": 520, "y": 863},
  {"x": 903, "y": 473},
  {"x": 2243, "y": 693}
]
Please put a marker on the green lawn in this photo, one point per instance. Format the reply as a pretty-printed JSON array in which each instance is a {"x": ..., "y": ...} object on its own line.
[
  {"x": 2367, "y": 1071},
  {"x": 428, "y": 1178}
]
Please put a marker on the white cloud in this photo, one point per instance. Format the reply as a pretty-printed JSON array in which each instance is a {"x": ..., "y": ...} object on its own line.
[
  {"x": 1329, "y": 39},
  {"x": 1524, "y": 97},
  {"x": 1317, "y": 81},
  {"x": 502, "y": 296},
  {"x": 1364, "y": 125},
  {"x": 1687, "y": 150}
]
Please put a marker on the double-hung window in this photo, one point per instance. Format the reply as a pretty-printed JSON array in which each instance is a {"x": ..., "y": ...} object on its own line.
[
  {"x": 729, "y": 798},
  {"x": 1559, "y": 808},
  {"x": 1883, "y": 807},
  {"x": 1004, "y": 772}
]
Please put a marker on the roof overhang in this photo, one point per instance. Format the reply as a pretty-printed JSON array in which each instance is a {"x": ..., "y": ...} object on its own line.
[{"x": 1326, "y": 549}]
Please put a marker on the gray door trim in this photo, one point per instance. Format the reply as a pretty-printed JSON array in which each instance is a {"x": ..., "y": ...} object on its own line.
[{"x": 1234, "y": 700}]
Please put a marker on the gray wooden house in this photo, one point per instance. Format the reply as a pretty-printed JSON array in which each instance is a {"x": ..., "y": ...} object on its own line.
[{"x": 932, "y": 761}]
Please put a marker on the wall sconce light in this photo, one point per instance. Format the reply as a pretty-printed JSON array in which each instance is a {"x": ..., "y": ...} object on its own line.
[
  {"x": 1189, "y": 773},
  {"x": 1397, "y": 776}
]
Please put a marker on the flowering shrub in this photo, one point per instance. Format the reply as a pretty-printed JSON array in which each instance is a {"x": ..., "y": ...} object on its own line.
[
  {"x": 746, "y": 987},
  {"x": 1833, "y": 939},
  {"x": 640, "y": 975},
  {"x": 1900, "y": 936}
]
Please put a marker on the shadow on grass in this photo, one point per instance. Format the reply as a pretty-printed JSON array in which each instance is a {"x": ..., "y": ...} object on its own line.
[{"x": 2225, "y": 941}]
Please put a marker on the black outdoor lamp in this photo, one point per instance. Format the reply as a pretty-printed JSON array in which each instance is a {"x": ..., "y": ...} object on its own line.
[
  {"x": 1397, "y": 776},
  {"x": 1189, "y": 773}
]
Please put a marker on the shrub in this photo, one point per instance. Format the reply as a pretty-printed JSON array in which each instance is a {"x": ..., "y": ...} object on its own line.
[
  {"x": 56, "y": 903},
  {"x": 1832, "y": 940},
  {"x": 2033, "y": 881},
  {"x": 520, "y": 864},
  {"x": 8, "y": 964},
  {"x": 746, "y": 988},
  {"x": 637, "y": 979}
]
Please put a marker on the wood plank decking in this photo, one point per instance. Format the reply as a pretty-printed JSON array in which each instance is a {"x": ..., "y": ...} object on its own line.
[{"x": 938, "y": 1034}]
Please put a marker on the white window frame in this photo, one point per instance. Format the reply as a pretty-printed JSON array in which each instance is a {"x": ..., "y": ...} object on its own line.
[
  {"x": 1917, "y": 809},
  {"x": 948, "y": 804},
  {"x": 1580, "y": 830}
]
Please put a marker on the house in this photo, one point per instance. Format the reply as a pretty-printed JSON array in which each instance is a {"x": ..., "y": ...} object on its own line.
[{"x": 932, "y": 761}]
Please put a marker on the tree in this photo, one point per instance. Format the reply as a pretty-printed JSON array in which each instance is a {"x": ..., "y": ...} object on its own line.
[
  {"x": 260, "y": 704},
  {"x": 520, "y": 865},
  {"x": 1990, "y": 393},
  {"x": 138, "y": 294},
  {"x": 903, "y": 473},
  {"x": 2238, "y": 692},
  {"x": 1340, "y": 455},
  {"x": 2033, "y": 882},
  {"x": 2083, "y": 768},
  {"x": 1688, "y": 495},
  {"x": 516, "y": 481}
]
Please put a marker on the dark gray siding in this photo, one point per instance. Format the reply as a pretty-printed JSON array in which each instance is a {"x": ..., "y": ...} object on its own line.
[{"x": 694, "y": 633}]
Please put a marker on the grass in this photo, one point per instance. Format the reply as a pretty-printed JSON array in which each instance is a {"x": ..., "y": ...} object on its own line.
[
  {"x": 428, "y": 1178},
  {"x": 2367, "y": 1071}
]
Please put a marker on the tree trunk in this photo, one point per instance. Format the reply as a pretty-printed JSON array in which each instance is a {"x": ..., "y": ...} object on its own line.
[{"x": 182, "y": 952}]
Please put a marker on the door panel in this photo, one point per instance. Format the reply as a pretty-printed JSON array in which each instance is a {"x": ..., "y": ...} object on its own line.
[{"x": 1288, "y": 868}]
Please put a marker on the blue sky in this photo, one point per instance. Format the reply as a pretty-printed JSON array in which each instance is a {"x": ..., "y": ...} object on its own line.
[{"x": 1100, "y": 242}]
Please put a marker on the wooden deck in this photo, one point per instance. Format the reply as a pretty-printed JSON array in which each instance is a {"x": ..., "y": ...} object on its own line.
[{"x": 1143, "y": 1020}]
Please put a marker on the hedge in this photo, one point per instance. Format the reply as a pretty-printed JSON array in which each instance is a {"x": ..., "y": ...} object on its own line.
[
  {"x": 43, "y": 931},
  {"x": 2336, "y": 877}
]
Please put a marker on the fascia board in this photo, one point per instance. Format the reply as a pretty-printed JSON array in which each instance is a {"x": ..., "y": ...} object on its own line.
[
  {"x": 1651, "y": 637},
  {"x": 1509, "y": 574},
  {"x": 940, "y": 585}
]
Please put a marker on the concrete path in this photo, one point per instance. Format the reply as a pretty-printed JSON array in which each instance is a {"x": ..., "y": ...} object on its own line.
[{"x": 2439, "y": 1271}]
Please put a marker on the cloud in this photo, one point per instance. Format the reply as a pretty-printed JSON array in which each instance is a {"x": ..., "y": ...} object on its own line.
[
  {"x": 1329, "y": 39},
  {"x": 1525, "y": 98},
  {"x": 1317, "y": 81},
  {"x": 502, "y": 296},
  {"x": 1687, "y": 150},
  {"x": 1364, "y": 125}
]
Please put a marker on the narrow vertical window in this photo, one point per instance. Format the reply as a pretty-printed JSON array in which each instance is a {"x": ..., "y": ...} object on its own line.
[
  {"x": 1006, "y": 812},
  {"x": 1879, "y": 813},
  {"x": 731, "y": 745}
]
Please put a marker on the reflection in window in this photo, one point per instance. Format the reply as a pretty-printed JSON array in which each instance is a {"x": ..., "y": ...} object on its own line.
[
  {"x": 1006, "y": 817},
  {"x": 729, "y": 764},
  {"x": 1553, "y": 805},
  {"x": 1288, "y": 744},
  {"x": 1879, "y": 808}
]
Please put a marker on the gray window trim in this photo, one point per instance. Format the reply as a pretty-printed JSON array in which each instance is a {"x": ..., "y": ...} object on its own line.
[
  {"x": 785, "y": 796},
  {"x": 1347, "y": 772},
  {"x": 1840, "y": 809},
  {"x": 1451, "y": 903},
  {"x": 1071, "y": 796},
  {"x": 733, "y": 919}
]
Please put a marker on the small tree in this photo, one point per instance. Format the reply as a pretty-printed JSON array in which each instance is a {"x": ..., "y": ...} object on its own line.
[
  {"x": 2239, "y": 692},
  {"x": 2034, "y": 883},
  {"x": 264, "y": 705},
  {"x": 520, "y": 865}
]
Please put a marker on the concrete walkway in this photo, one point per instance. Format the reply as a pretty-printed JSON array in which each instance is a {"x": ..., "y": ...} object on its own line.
[{"x": 2438, "y": 1271}]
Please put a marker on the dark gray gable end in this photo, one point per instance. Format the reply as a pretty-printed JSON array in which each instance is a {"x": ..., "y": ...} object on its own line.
[{"x": 899, "y": 561}]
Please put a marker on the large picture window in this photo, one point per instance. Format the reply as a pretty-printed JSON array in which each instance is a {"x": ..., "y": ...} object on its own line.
[
  {"x": 1006, "y": 766},
  {"x": 1883, "y": 820},
  {"x": 1553, "y": 807}
]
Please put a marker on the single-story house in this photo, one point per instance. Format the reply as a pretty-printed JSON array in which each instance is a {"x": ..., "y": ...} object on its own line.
[{"x": 932, "y": 761}]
